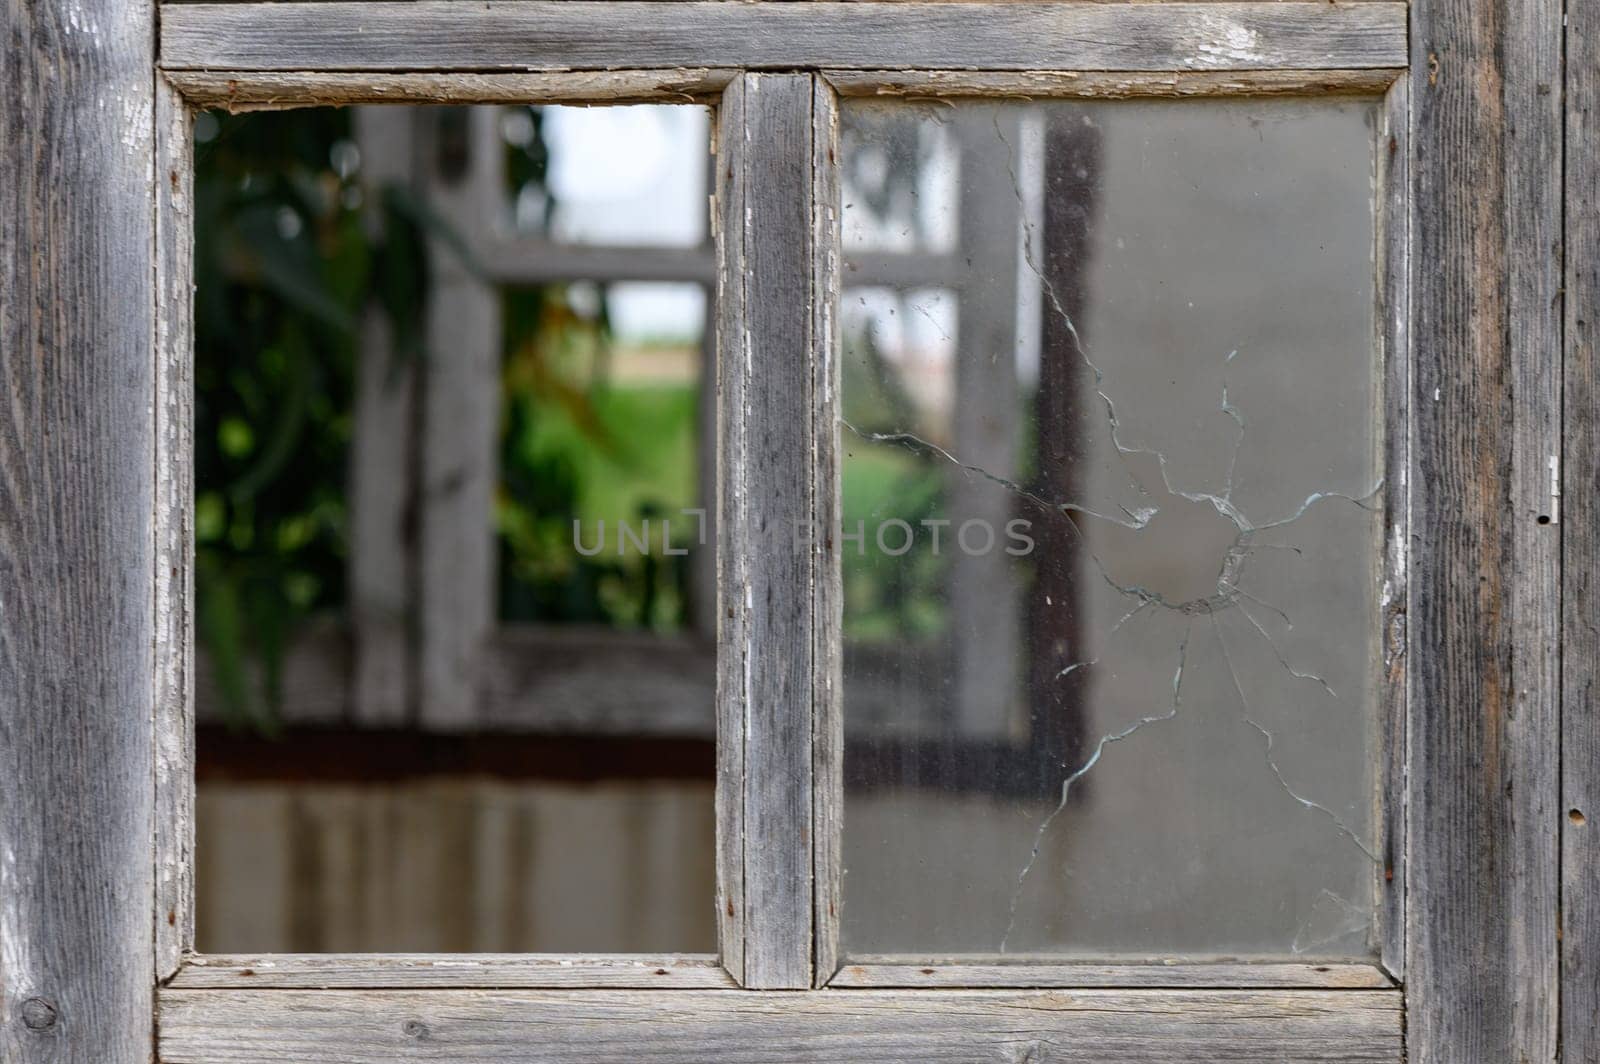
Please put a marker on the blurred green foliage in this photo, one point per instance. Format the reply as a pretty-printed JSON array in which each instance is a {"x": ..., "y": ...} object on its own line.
[
  {"x": 284, "y": 269},
  {"x": 579, "y": 449}
]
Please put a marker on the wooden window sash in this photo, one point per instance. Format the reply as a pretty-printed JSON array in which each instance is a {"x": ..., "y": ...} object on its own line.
[
  {"x": 595, "y": 35},
  {"x": 1462, "y": 363}
]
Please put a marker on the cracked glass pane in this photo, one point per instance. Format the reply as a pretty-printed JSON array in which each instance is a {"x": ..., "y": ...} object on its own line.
[{"x": 1113, "y": 506}]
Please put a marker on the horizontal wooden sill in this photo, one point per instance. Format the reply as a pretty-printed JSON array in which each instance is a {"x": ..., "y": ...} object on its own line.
[{"x": 729, "y": 1026}]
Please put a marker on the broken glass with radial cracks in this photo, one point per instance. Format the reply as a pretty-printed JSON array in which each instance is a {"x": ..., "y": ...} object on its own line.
[{"x": 1112, "y": 524}]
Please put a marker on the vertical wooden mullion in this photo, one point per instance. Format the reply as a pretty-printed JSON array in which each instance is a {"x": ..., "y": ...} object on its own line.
[
  {"x": 732, "y": 562},
  {"x": 78, "y": 187},
  {"x": 703, "y": 562},
  {"x": 1483, "y": 622},
  {"x": 174, "y": 532},
  {"x": 1580, "y": 667},
  {"x": 1393, "y": 339},
  {"x": 768, "y": 556},
  {"x": 827, "y": 580}
]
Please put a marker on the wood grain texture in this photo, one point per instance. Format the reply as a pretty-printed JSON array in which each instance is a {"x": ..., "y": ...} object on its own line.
[
  {"x": 888, "y": 972},
  {"x": 827, "y": 589},
  {"x": 77, "y": 531},
  {"x": 1393, "y": 341},
  {"x": 533, "y": 35},
  {"x": 1532, "y": 733},
  {"x": 174, "y": 532},
  {"x": 1580, "y": 533},
  {"x": 1483, "y": 621},
  {"x": 733, "y": 374},
  {"x": 768, "y": 556},
  {"x": 702, "y": 614},
  {"x": 1532, "y": 52},
  {"x": 238, "y": 91},
  {"x": 1100, "y": 84},
  {"x": 285, "y": 971},
  {"x": 597, "y": 1027}
]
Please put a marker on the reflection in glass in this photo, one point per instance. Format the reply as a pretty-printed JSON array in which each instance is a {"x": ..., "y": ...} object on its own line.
[{"x": 1112, "y": 507}]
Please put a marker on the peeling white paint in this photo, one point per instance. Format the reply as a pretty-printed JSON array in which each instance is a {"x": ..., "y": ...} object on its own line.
[{"x": 1226, "y": 39}]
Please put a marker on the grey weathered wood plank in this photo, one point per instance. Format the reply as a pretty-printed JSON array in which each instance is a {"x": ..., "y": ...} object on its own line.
[
  {"x": 702, "y": 615},
  {"x": 595, "y": 1027},
  {"x": 532, "y": 35},
  {"x": 889, "y": 972},
  {"x": 827, "y": 603},
  {"x": 77, "y": 531},
  {"x": 732, "y": 376},
  {"x": 1580, "y": 532},
  {"x": 1483, "y": 618},
  {"x": 295, "y": 971},
  {"x": 1532, "y": 54},
  {"x": 1101, "y": 84},
  {"x": 768, "y": 566},
  {"x": 236, "y": 91},
  {"x": 174, "y": 532},
  {"x": 1393, "y": 329}
]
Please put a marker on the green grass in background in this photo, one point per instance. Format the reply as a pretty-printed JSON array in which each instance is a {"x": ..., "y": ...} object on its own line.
[{"x": 601, "y": 451}]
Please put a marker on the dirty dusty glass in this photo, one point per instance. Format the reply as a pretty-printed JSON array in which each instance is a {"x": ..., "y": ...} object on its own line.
[
  {"x": 456, "y": 673},
  {"x": 1112, "y": 509}
]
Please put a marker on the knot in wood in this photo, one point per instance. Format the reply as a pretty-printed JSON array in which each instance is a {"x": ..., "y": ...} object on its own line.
[{"x": 38, "y": 1014}]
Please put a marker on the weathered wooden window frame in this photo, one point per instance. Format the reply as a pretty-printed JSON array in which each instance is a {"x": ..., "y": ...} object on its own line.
[
  {"x": 779, "y": 779},
  {"x": 1472, "y": 709}
]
